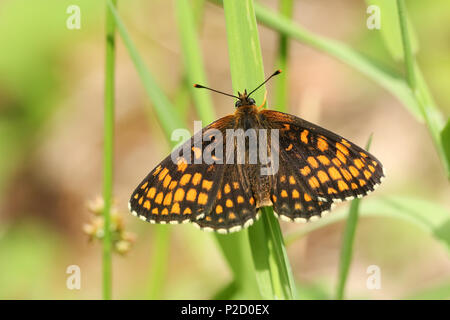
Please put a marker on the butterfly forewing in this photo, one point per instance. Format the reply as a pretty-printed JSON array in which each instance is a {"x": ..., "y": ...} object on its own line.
[
  {"x": 181, "y": 190},
  {"x": 329, "y": 166}
]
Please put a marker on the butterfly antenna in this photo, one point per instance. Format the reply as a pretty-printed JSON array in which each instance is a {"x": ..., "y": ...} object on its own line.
[
  {"x": 203, "y": 87},
  {"x": 273, "y": 74}
]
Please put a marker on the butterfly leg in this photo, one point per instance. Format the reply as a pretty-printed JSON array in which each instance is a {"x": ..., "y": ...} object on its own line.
[{"x": 264, "y": 101}]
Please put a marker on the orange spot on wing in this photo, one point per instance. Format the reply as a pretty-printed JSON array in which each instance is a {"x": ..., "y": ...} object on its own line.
[
  {"x": 334, "y": 173},
  {"x": 185, "y": 179},
  {"x": 197, "y": 152},
  {"x": 354, "y": 171},
  {"x": 187, "y": 211},
  {"x": 358, "y": 163},
  {"x": 181, "y": 165},
  {"x": 163, "y": 174},
  {"x": 227, "y": 188},
  {"x": 331, "y": 191},
  {"x": 324, "y": 160},
  {"x": 159, "y": 198},
  {"x": 157, "y": 170},
  {"x": 168, "y": 199},
  {"x": 304, "y": 136},
  {"x": 362, "y": 183},
  {"x": 367, "y": 174},
  {"x": 151, "y": 193},
  {"x": 144, "y": 185},
  {"x": 229, "y": 203},
  {"x": 147, "y": 204},
  {"x": 172, "y": 185},
  {"x": 314, "y": 183},
  {"x": 196, "y": 178},
  {"x": 341, "y": 148},
  {"x": 175, "y": 208},
  {"x": 206, "y": 184},
  {"x": 322, "y": 144},
  {"x": 291, "y": 180},
  {"x": 191, "y": 195},
  {"x": 323, "y": 177},
  {"x": 341, "y": 156},
  {"x": 202, "y": 198},
  {"x": 165, "y": 212},
  {"x": 313, "y": 162},
  {"x": 307, "y": 197},
  {"x": 240, "y": 199},
  {"x": 346, "y": 174},
  {"x": 346, "y": 143},
  {"x": 342, "y": 185},
  {"x": 167, "y": 181},
  {"x": 305, "y": 171},
  {"x": 219, "y": 209},
  {"x": 284, "y": 193},
  {"x": 179, "y": 195},
  {"x": 336, "y": 162},
  {"x": 295, "y": 194},
  {"x": 232, "y": 216}
]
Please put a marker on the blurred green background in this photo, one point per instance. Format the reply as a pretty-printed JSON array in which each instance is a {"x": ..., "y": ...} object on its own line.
[{"x": 51, "y": 135}]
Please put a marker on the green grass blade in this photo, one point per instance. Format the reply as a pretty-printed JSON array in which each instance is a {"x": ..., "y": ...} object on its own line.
[
  {"x": 430, "y": 217},
  {"x": 347, "y": 242},
  {"x": 430, "y": 113},
  {"x": 281, "y": 83},
  {"x": 391, "y": 82},
  {"x": 192, "y": 58},
  {"x": 445, "y": 138},
  {"x": 390, "y": 28},
  {"x": 168, "y": 118},
  {"x": 272, "y": 269},
  {"x": 108, "y": 151},
  {"x": 234, "y": 247}
]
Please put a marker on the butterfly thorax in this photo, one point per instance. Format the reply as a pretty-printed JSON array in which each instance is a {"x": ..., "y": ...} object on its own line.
[{"x": 248, "y": 117}]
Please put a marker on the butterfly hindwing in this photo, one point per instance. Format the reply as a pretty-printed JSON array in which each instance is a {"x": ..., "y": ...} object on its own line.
[
  {"x": 331, "y": 167},
  {"x": 234, "y": 207},
  {"x": 180, "y": 191},
  {"x": 293, "y": 201}
]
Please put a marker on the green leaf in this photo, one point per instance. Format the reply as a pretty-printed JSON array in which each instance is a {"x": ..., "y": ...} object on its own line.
[
  {"x": 390, "y": 28},
  {"x": 445, "y": 138},
  {"x": 428, "y": 216}
]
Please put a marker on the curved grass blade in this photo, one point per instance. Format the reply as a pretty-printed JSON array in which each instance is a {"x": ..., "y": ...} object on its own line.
[{"x": 273, "y": 271}]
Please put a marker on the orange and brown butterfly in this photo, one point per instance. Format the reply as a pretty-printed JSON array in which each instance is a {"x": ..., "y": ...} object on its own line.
[{"x": 317, "y": 168}]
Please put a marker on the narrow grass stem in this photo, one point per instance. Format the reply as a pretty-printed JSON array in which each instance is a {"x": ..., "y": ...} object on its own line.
[
  {"x": 108, "y": 152},
  {"x": 347, "y": 242}
]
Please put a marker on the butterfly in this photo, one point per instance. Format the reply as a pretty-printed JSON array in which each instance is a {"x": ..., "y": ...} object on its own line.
[{"x": 316, "y": 168}]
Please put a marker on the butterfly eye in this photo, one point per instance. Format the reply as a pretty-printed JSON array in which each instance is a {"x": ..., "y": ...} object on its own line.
[
  {"x": 238, "y": 104},
  {"x": 251, "y": 101}
]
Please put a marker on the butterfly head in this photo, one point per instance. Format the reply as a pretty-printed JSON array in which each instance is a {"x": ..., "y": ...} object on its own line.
[{"x": 244, "y": 100}]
